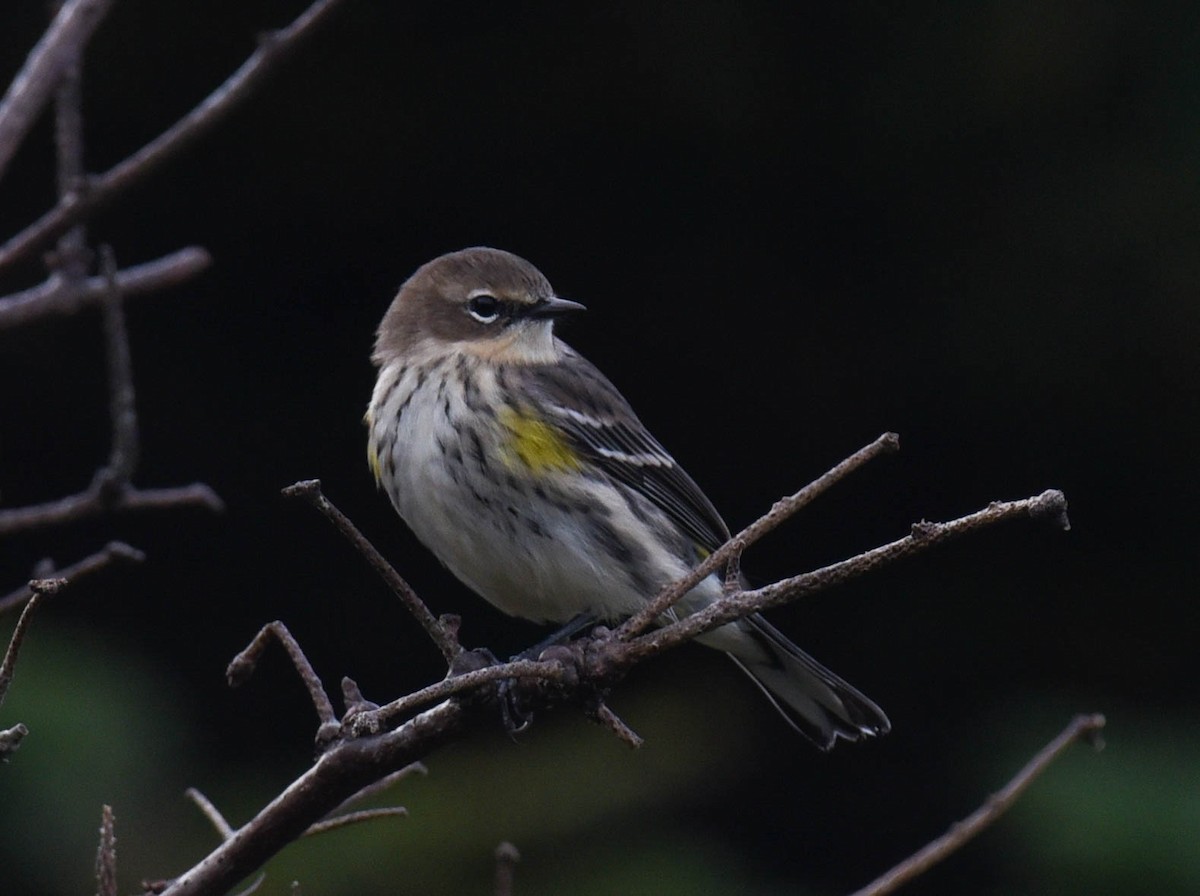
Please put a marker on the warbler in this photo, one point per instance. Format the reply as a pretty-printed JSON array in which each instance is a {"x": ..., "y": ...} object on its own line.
[{"x": 525, "y": 471}]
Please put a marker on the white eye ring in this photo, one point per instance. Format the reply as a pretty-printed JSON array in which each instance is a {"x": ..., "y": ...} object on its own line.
[{"x": 484, "y": 307}]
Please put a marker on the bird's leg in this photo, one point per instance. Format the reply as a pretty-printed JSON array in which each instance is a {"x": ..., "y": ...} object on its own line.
[{"x": 515, "y": 719}]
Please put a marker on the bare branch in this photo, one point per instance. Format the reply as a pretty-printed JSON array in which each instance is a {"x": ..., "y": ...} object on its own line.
[
  {"x": 243, "y": 665},
  {"x": 1081, "y": 727},
  {"x": 60, "y": 47},
  {"x": 106, "y": 855},
  {"x": 1050, "y": 504},
  {"x": 210, "y": 811},
  {"x": 31, "y": 595},
  {"x": 111, "y": 488},
  {"x": 273, "y": 49},
  {"x": 441, "y": 634},
  {"x": 94, "y": 501},
  {"x": 58, "y": 296},
  {"x": 577, "y": 674},
  {"x": 506, "y": 868},
  {"x": 113, "y": 551},
  {"x": 731, "y": 551}
]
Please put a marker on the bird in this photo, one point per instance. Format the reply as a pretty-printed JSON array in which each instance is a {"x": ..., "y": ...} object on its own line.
[{"x": 524, "y": 470}]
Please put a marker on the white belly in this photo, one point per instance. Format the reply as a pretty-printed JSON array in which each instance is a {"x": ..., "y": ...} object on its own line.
[{"x": 545, "y": 557}]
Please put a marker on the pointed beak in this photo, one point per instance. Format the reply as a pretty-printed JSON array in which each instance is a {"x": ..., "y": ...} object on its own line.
[{"x": 554, "y": 307}]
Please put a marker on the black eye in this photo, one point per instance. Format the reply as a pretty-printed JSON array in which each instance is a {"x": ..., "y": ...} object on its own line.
[{"x": 484, "y": 308}]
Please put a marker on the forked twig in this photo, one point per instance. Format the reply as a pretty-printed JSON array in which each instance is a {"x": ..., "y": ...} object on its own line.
[
  {"x": 101, "y": 189},
  {"x": 92, "y": 501},
  {"x": 242, "y": 666},
  {"x": 31, "y": 595},
  {"x": 1050, "y": 505},
  {"x": 731, "y": 551},
  {"x": 1081, "y": 727},
  {"x": 111, "y": 552},
  {"x": 60, "y": 296},
  {"x": 112, "y": 487}
]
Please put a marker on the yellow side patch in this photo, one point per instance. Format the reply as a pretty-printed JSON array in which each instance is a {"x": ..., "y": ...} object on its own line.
[
  {"x": 537, "y": 444},
  {"x": 372, "y": 455},
  {"x": 373, "y": 461}
]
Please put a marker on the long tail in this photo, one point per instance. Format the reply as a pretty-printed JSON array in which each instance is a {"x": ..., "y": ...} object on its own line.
[{"x": 812, "y": 699}]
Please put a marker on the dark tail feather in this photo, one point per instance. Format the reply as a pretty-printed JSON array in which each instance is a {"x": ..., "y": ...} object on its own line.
[{"x": 812, "y": 699}]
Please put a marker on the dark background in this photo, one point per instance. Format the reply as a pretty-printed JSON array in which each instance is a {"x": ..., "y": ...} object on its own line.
[{"x": 795, "y": 227}]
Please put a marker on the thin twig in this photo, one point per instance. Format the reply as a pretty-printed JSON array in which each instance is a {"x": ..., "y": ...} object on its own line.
[
  {"x": 242, "y": 666},
  {"x": 506, "y": 868},
  {"x": 732, "y": 550},
  {"x": 111, "y": 488},
  {"x": 415, "y": 768},
  {"x": 344, "y": 769},
  {"x": 1051, "y": 505},
  {"x": 113, "y": 551},
  {"x": 387, "y": 716},
  {"x": 122, "y": 406},
  {"x": 253, "y": 887},
  {"x": 31, "y": 89},
  {"x": 1081, "y": 727},
  {"x": 14, "y": 645},
  {"x": 441, "y": 635},
  {"x": 614, "y": 723},
  {"x": 361, "y": 815},
  {"x": 31, "y": 596},
  {"x": 106, "y": 854},
  {"x": 211, "y": 812},
  {"x": 273, "y": 49},
  {"x": 93, "y": 502},
  {"x": 58, "y": 296}
]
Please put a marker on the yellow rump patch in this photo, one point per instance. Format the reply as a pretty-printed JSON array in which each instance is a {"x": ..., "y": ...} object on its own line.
[{"x": 537, "y": 444}]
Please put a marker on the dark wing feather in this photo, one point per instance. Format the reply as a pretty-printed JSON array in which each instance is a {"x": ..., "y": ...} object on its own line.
[{"x": 603, "y": 428}]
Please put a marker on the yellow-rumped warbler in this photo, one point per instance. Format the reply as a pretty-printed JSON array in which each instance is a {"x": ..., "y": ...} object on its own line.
[{"x": 527, "y": 473}]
